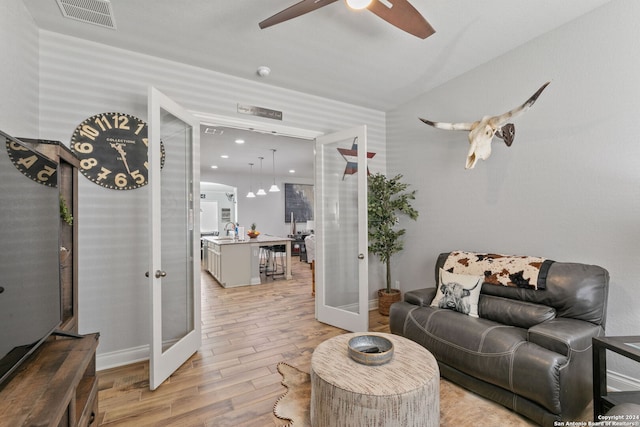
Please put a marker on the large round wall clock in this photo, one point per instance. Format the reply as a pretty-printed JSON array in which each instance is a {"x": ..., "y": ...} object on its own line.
[
  {"x": 112, "y": 148},
  {"x": 33, "y": 164}
]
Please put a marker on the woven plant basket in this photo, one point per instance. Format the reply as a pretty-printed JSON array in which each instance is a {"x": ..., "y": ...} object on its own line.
[{"x": 386, "y": 299}]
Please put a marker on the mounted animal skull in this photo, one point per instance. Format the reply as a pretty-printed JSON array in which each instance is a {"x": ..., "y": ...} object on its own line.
[{"x": 481, "y": 132}]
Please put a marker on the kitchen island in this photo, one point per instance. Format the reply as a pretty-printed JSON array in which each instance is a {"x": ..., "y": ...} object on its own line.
[{"x": 237, "y": 262}]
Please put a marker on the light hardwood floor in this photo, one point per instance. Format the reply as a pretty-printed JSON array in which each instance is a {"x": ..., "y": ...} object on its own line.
[{"x": 232, "y": 380}]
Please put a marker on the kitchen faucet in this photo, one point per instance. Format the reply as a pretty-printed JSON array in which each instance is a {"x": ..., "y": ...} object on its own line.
[{"x": 233, "y": 227}]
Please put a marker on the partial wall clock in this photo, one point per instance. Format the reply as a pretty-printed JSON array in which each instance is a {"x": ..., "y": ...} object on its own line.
[
  {"x": 112, "y": 148},
  {"x": 32, "y": 164}
]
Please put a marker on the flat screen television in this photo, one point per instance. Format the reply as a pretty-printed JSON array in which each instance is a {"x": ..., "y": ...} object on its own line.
[{"x": 30, "y": 298}]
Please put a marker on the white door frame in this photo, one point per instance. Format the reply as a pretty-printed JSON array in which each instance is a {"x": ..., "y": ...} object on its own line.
[{"x": 252, "y": 125}]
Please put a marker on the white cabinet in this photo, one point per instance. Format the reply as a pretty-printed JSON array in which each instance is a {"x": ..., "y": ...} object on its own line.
[
  {"x": 215, "y": 264},
  {"x": 229, "y": 263}
]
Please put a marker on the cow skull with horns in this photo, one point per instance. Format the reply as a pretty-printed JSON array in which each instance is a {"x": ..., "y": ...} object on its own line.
[{"x": 481, "y": 132}]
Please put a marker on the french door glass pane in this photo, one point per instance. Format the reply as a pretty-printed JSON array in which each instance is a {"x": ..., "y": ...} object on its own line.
[
  {"x": 340, "y": 224},
  {"x": 177, "y": 235}
]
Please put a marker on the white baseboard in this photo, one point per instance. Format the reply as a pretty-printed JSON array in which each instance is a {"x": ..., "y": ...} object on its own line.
[
  {"x": 128, "y": 356},
  {"x": 122, "y": 357},
  {"x": 620, "y": 382}
]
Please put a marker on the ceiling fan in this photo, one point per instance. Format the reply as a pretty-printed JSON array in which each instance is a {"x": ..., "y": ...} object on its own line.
[{"x": 396, "y": 12}]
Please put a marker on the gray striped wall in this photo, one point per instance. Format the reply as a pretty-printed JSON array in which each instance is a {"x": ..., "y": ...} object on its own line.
[
  {"x": 19, "y": 70},
  {"x": 79, "y": 79}
]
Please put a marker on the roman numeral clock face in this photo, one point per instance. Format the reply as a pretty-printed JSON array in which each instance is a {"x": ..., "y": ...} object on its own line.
[{"x": 112, "y": 148}]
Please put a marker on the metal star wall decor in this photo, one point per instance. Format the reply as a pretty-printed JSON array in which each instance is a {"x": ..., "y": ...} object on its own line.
[{"x": 351, "y": 156}]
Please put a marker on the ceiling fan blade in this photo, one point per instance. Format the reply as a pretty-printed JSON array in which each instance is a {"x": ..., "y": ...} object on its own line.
[
  {"x": 403, "y": 16},
  {"x": 305, "y": 6}
]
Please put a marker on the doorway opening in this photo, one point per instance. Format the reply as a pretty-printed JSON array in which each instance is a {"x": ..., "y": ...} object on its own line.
[
  {"x": 254, "y": 159},
  {"x": 279, "y": 155},
  {"x": 218, "y": 207}
]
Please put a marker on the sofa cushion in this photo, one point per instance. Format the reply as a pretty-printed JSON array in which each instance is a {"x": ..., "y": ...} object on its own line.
[
  {"x": 421, "y": 297},
  {"x": 490, "y": 351},
  {"x": 458, "y": 292},
  {"x": 514, "y": 312}
]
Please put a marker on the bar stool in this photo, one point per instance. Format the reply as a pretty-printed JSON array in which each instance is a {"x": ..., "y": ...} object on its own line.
[
  {"x": 264, "y": 258},
  {"x": 277, "y": 261}
]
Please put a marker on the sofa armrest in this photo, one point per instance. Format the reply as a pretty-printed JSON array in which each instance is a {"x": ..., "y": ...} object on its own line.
[
  {"x": 563, "y": 335},
  {"x": 420, "y": 297}
]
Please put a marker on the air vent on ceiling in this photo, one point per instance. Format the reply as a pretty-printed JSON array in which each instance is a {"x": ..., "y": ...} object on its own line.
[{"x": 97, "y": 12}]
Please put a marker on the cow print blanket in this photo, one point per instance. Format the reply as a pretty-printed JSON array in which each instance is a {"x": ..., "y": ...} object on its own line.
[{"x": 506, "y": 270}]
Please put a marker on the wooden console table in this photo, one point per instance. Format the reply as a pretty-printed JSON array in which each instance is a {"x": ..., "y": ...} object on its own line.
[
  {"x": 57, "y": 386},
  {"x": 603, "y": 400}
]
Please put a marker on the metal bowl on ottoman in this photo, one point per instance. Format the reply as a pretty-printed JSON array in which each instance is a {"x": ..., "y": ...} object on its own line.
[{"x": 370, "y": 349}]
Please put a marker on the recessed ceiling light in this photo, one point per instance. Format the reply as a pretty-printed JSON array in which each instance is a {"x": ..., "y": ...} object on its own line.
[
  {"x": 214, "y": 166},
  {"x": 239, "y": 141},
  {"x": 224, "y": 156},
  {"x": 292, "y": 171}
]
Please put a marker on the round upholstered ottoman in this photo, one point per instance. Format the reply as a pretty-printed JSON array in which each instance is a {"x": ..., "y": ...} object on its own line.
[{"x": 402, "y": 392}]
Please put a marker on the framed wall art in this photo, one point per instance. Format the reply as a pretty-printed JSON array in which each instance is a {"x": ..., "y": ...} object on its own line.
[{"x": 298, "y": 202}]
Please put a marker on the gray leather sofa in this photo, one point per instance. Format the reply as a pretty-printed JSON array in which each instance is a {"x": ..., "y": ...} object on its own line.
[{"x": 529, "y": 350}]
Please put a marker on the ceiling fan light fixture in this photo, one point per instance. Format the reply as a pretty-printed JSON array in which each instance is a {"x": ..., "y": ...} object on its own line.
[
  {"x": 358, "y": 4},
  {"x": 399, "y": 13}
]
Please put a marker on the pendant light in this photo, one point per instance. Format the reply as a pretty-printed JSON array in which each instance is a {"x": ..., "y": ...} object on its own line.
[
  {"x": 261, "y": 191},
  {"x": 250, "y": 193},
  {"x": 274, "y": 188}
]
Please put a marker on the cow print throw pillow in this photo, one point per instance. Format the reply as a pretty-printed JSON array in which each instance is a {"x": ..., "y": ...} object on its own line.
[{"x": 459, "y": 292}]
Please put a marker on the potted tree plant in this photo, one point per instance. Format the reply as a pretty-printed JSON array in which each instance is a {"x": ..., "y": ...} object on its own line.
[{"x": 387, "y": 197}]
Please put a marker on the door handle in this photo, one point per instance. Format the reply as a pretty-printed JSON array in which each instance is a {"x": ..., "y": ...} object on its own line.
[
  {"x": 361, "y": 256},
  {"x": 159, "y": 274}
]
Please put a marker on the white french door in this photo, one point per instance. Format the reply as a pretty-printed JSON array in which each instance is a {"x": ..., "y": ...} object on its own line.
[
  {"x": 341, "y": 230},
  {"x": 174, "y": 273}
]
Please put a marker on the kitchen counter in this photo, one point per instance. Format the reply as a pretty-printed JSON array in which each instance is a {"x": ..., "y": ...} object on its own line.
[
  {"x": 237, "y": 262},
  {"x": 261, "y": 240}
]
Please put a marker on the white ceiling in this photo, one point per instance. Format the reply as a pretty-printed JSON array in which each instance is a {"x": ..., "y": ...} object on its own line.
[
  {"x": 291, "y": 153},
  {"x": 333, "y": 52}
]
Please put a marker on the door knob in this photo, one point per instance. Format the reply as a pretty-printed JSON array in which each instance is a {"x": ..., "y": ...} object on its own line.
[
  {"x": 159, "y": 274},
  {"x": 361, "y": 256}
]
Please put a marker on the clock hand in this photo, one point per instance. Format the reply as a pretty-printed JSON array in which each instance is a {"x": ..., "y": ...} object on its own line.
[{"x": 123, "y": 155}]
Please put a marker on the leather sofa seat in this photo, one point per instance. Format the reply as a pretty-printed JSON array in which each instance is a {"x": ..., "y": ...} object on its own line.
[{"x": 529, "y": 350}]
